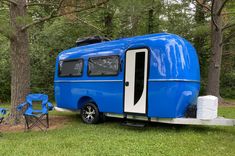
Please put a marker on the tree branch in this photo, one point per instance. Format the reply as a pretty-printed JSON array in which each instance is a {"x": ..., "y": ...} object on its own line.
[
  {"x": 10, "y": 1},
  {"x": 228, "y": 38},
  {"x": 52, "y": 15},
  {"x": 227, "y": 13},
  {"x": 60, "y": 4},
  {"x": 212, "y": 15},
  {"x": 228, "y": 26},
  {"x": 41, "y": 4},
  {"x": 221, "y": 7},
  {"x": 228, "y": 43},
  {"x": 91, "y": 25},
  {"x": 203, "y": 5},
  {"x": 50, "y": 4}
]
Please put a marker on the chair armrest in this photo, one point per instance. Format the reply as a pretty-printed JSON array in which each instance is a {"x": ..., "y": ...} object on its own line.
[
  {"x": 19, "y": 107},
  {"x": 3, "y": 111},
  {"x": 50, "y": 106}
]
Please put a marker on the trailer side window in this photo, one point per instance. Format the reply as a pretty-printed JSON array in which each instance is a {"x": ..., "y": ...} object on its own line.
[
  {"x": 103, "y": 66},
  {"x": 71, "y": 68}
]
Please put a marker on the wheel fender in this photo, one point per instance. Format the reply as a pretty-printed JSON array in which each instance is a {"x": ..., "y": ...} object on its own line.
[{"x": 83, "y": 100}]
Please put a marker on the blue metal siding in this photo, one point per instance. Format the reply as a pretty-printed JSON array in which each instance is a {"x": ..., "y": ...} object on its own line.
[
  {"x": 173, "y": 58},
  {"x": 169, "y": 99},
  {"x": 174, "y": 76},
  {"x": 108, "y": 99}
]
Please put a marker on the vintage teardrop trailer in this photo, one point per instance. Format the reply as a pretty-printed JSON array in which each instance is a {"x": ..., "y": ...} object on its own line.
[{"x": 153, "y": 77}]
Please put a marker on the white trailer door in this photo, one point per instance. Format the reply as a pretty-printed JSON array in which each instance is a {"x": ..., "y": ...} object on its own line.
[{"x": 136, "y": 74}]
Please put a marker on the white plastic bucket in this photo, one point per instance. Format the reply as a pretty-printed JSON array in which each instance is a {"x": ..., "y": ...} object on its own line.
[{"x": 207, "y": 107}]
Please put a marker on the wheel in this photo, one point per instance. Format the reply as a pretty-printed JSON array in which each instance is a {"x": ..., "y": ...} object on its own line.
[
  {"x": 90, "y": 113},
  {"x": 102, "y": 118},
  {"x": 191, "y": 111}
]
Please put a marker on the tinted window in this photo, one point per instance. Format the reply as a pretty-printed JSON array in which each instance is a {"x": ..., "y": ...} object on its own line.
[
  {"x": 139, "y": 75},
  {"x": 71, "y": 67},
  {"x": 101, "y": 66}
]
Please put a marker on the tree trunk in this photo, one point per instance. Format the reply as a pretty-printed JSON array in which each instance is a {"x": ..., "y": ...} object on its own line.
[
  {"x": 108, "y": 22},
  {"x": 150, "y": 21},
  {"x": 213, "y": 87},
  {"x": 20, "y": 67}
]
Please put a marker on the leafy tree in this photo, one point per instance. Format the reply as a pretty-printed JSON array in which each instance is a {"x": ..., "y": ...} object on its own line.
[
  {"x": 218, "y": 26},
  {"x": 20, "y": 22}
]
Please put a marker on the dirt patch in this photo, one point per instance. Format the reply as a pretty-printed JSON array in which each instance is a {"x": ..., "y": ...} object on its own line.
[
  {"x": 54, "y": 123},
  {"x": 227, "y": 104}
]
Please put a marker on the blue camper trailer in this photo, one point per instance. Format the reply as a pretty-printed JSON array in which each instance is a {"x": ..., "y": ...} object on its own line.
[{"x": 153, "y": 76}]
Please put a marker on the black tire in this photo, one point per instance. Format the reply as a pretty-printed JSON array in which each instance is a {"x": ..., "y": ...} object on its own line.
[
  {"x": 102, "y": 118},
  {"x": 90, "y": 113},
  {"x": 191, "y": 111}
]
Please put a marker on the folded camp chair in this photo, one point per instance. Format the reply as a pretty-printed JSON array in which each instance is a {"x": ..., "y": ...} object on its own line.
[
  {"x": 3, "y": 112},
  {"x": 36, "y": 117}
]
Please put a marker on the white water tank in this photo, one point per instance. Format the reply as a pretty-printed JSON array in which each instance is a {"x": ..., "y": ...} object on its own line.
[{"x": 207, "y": 107}]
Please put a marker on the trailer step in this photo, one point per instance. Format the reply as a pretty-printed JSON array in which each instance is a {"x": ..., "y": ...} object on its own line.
[{"x": 133, "y": 124}]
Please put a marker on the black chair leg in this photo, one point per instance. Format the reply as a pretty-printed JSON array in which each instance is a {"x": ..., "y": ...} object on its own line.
[
  {"x": 26, "y": 123},
  {"x": 0, "y": 123},
  {"x": 47, "y": 118},
  {"x": 33, "y": 121}
]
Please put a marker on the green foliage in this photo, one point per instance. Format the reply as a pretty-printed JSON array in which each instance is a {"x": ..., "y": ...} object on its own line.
[
  {"x": 228, "y": 62},
  {"x": 24, "y": 20},
  {"x": 116, "y": 19},
  {"x": 228, "y": 84},
  {"x": 4, "y": 70},
  {"x": 5, "y": 28},
  {"x": 110, "y": 138}
]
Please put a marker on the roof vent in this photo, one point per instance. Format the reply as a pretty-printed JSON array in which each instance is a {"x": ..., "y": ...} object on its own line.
[{"x": 91, "y": 40}]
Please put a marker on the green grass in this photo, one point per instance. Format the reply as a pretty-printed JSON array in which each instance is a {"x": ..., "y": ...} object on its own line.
[
  {"x": 110, "y": 138},
  {"x": 4, "y": 105}
]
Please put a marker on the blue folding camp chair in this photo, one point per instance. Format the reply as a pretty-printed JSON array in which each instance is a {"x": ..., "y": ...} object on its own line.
[
  {"x": 36, "y": 117},
  {"x": 3, "y": 112}
]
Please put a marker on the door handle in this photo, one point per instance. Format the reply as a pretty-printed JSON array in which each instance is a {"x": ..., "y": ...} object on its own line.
[{"x": 127, "y": 83}]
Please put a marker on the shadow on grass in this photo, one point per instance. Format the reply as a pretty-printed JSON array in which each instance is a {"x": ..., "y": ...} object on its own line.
[{"x": 115, "y": 123}]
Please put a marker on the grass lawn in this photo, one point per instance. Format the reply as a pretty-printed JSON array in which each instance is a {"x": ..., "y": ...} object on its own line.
[{"x": 110, "y": 138}]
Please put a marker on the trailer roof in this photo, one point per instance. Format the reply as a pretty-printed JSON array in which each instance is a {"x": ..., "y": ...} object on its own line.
[{"x": 121, "y": 44}]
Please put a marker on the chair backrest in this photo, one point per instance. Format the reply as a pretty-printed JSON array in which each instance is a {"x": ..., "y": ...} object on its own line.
[{"x": 37, "y": 98}]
